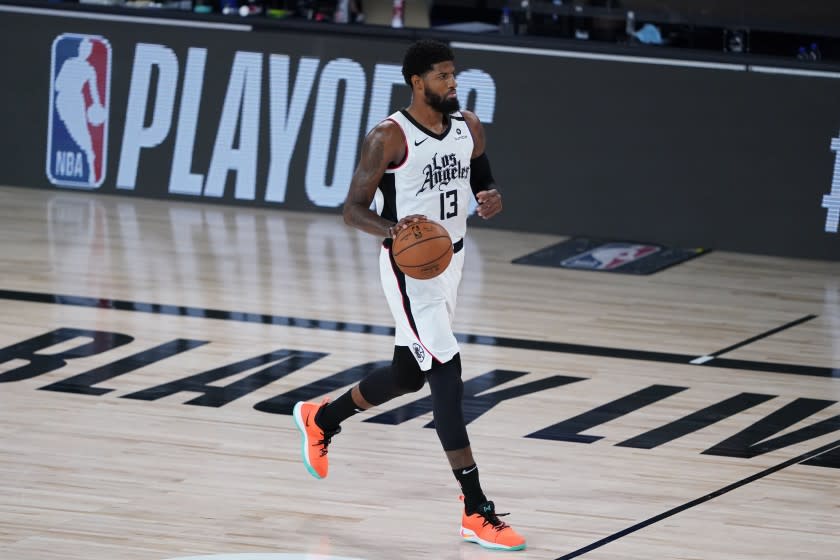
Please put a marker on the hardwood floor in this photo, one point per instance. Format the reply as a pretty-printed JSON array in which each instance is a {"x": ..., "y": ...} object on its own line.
[{"x": 150, "y": 352}]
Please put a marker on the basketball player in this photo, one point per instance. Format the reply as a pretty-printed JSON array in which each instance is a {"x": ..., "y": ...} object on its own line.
[{"x": 423, "y": 162}]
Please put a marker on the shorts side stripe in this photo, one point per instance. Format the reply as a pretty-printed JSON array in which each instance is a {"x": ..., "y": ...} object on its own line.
[{"x": 399, "y": 276}]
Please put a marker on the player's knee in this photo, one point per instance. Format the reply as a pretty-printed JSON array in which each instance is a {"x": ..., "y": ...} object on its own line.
[
  {"x": 445, "y": 381},
  {"x": 447, "y": 394},
  {"x": 374, "y": 388},
  {"x": 409, "y": 377},
  {"x": 380, "y": 386},
  {"x": 401, "y": 377},
  {"x": 450, "y": 370},
  {"x": 411, "y": 383}
]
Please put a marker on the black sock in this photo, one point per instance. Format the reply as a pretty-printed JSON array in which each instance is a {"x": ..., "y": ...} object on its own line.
[
  {"x": 473, "y": 496},
  {"x": 336, "y": 412}
]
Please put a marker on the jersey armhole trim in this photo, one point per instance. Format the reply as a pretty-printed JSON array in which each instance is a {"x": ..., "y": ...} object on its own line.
[
  {"x": 472, "y": 136},
  {"x": 405, "y": 141}
]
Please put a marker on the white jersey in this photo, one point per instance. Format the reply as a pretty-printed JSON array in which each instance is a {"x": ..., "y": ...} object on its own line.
[{"x": 433, "y": 179}]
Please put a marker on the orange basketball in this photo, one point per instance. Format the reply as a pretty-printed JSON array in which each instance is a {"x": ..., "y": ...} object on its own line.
[{"x": 422, "y": 250}]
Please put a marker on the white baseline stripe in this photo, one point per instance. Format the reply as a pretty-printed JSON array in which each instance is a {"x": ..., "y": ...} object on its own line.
[
  {"x": 702, "y": 360},
  {"x": 793, "y": 72},
  {"x": 127, "y": 19},
  {"x": 597, "y": 56}
]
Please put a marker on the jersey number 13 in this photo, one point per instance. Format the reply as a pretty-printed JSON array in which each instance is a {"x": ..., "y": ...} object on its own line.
[{"x": 448, "y": 204}]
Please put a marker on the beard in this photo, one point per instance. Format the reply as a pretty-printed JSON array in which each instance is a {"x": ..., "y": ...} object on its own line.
[{"x": 442, "y": 105}]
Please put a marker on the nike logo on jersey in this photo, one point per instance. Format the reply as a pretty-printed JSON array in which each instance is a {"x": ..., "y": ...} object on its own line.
[{"x": 416, "y": 143}]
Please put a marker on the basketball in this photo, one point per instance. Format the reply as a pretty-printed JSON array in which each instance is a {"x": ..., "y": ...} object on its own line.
[
  {"x": 422, "y": 250},
  {"x": 96, "y": 115}
]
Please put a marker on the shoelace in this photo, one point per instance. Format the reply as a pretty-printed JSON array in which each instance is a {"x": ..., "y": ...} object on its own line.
[
  {"x": 326, "y": 441},
  {"x": 492, "y": 518}
]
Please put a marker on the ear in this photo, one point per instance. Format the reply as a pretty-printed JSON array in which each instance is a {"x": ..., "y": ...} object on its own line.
[{"x": 417, "y": 82}]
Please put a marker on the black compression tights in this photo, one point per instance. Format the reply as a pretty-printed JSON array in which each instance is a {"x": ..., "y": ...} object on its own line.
[
  {"x": 447, "y": 396},
  {"x": 404, "y": 376},
  {"x": 401, "y": 377}
]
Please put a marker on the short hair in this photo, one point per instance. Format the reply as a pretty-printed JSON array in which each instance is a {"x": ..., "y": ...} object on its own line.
[{"x": 420, "y": 57}]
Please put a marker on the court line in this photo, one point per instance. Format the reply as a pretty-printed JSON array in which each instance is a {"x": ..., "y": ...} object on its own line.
[
  {"x": 606, "y": 540},
  {"x": 466, "y": 338},
  {"x": 708, "y": 357}
]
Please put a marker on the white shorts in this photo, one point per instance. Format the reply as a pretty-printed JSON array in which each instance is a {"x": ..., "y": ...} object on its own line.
[{"x": 423, "y": 309}]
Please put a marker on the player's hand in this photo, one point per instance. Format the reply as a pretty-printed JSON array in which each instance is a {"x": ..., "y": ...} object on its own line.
[
  {"x": 489, "y": 203},
  {"x": 406, "y": 222}
]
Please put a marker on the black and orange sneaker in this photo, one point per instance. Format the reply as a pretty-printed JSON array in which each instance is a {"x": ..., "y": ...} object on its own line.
[
  {"x": 314, "y": 440},
  {"x": 485, "y": 528}
]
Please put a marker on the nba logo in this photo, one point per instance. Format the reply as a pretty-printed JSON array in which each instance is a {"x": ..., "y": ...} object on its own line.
[
  {"x": 609, "y": 256},
  {"x": 77, "y": 138}
]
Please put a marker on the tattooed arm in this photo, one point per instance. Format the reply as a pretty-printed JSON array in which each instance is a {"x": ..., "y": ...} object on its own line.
[{"x": 383, "y": 146}]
